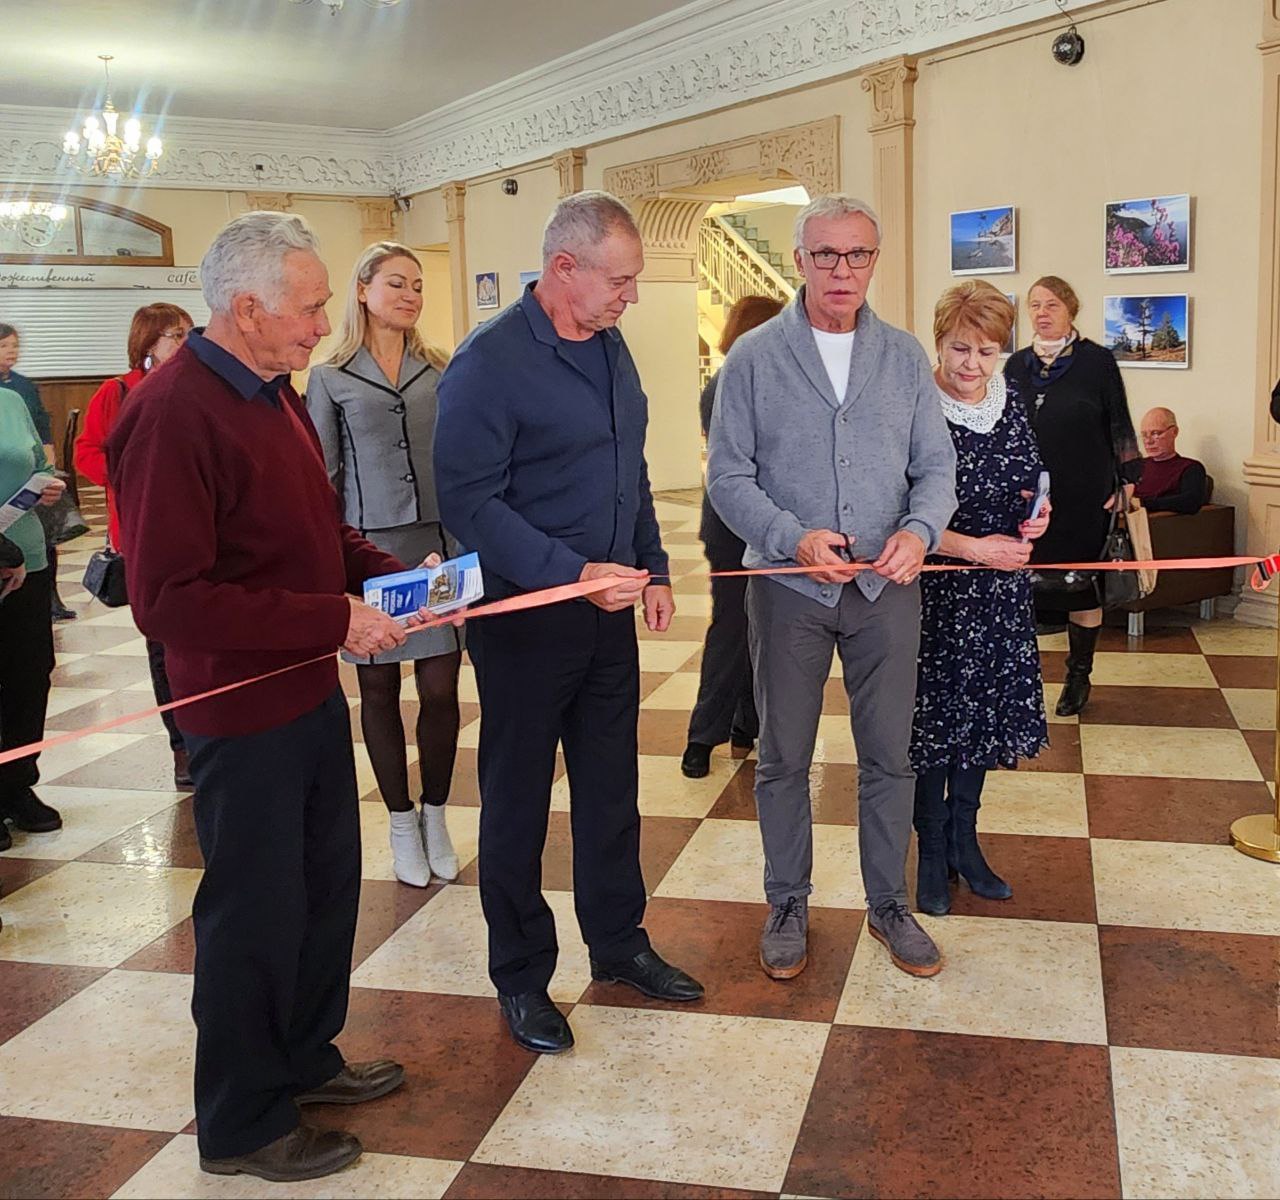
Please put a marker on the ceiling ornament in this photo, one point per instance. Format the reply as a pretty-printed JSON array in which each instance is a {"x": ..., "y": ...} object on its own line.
[
  {"x": 336, "y": 6},
  {"x": 101, "y": 149}
]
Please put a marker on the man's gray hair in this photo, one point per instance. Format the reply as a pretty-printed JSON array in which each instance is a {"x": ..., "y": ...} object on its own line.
[
  {"x": 248, "y": 256},
  {"x": 835, "y": 205},
  {"x": 581, "y": 222}
]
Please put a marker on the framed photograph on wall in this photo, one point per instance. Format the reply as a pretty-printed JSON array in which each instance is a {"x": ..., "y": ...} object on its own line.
[
  {"x": 1012, "y": 344},
  {"x": 487, "y": 289},
  {"x": 1148, "y": 331},
  {"x": 984, "y": 241},
  {"x": 528, "y": 277},
  {"x": 1150, "y": 234}
]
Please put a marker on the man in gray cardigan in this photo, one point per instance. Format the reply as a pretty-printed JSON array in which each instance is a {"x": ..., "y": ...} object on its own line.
[{"x": 828, "y": 445}]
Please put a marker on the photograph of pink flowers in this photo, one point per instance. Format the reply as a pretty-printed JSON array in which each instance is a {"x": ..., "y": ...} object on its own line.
[
  {"x": 1147, "y": 331},
  {"x": 1148, "y": 235}
]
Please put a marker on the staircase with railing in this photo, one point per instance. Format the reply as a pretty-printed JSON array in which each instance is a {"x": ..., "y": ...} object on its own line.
[{"x": 733, "y": 262}]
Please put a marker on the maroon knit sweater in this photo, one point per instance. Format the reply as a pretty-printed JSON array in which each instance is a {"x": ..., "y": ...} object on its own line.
[{"x": 235, "y": 554}]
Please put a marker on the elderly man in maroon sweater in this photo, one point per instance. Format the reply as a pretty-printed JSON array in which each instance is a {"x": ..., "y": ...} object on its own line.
[{"x": 237, "y": 562}]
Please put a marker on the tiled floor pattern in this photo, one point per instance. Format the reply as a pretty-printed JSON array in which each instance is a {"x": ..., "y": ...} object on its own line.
[{"x": 1110, "y": 1031}]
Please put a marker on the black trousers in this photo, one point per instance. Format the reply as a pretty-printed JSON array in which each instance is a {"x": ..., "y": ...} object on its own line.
[
  {"x": 26, "y": 662},
  {"x": 275, "y": 916},
  {"x": 164, "y": 694},
  {"x": 726, "y": 705},
  {"x": 568, "y": 674}
]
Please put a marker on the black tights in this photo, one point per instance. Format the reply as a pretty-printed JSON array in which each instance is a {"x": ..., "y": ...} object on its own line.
[{"x": 436, "y": 732}]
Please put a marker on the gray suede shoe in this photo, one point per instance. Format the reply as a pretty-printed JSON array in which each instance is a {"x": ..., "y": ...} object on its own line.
[
  {"x": 784, "y": 940},
  {"x": 911, "y": 949}
]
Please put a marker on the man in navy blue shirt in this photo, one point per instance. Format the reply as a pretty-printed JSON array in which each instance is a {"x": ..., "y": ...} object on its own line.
[{"x": 540, "y": 468}]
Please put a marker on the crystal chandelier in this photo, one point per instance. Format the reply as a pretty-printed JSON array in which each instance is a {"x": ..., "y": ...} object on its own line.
[
  {"x": 100, "y": 150},
  {"x": 36, "y": 222},
  {"x": 335, "y": 6}
]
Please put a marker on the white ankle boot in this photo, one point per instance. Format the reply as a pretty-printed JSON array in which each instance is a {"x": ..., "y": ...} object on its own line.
[
  {"x": 435, "y": 837},
  {"x": 408, "y": 858}
]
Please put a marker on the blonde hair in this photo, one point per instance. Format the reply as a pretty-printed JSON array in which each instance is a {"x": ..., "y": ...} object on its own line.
[
  {"x": 355, "y": 319},
  {"x": 974, "y": 304}
]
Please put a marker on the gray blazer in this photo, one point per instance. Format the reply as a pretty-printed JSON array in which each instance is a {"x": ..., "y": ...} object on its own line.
[
  {"x": 378, "y": 439},
  {"x": 786, "y": 457}
]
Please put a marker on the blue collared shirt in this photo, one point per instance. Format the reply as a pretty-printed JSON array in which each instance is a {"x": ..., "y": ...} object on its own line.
[
  {"x": 537, "y": 471},
  {"x": 246, "y": 381}
]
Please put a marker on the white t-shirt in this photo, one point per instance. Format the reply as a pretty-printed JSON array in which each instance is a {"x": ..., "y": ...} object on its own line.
[{"x": 836, "y": 350}]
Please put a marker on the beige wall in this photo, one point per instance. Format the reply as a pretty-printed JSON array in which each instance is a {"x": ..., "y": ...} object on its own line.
[
  {"x": 1167, "y": 100},
  {"x": 437, "y": 308},
  {"x": 504, "y": 233}
]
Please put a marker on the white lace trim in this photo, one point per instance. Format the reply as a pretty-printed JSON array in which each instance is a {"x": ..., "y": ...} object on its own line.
[{"x": 981, "y": 417}]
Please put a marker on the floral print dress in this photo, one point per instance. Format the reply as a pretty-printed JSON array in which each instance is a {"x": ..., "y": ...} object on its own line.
[{"x": 979, "y": 698}]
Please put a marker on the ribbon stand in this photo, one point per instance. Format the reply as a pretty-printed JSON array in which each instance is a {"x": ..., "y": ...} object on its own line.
[{"x": 1258, "y": 836}]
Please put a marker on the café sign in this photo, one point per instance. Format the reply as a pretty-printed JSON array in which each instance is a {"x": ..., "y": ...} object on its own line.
[{"x": 48, "y": 275}]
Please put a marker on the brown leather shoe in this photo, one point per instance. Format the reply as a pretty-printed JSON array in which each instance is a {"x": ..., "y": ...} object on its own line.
[
  {"x": 304, "y": 1153},
  {"x": 356, "y": 1083}
]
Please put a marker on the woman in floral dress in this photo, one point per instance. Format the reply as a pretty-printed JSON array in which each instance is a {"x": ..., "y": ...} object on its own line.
[{"x": 980, "y": 701}]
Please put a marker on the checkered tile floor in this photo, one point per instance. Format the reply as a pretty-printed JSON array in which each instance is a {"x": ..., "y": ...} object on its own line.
[{"x": 1110, "y": 1031}]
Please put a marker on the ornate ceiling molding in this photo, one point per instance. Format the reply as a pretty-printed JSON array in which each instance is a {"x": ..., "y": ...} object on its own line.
[
  {"x": 709, "y": 55},
  {"x": 204, "y": 154}
]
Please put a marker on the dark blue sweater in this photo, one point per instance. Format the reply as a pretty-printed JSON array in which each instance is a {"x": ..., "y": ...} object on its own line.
[{"x": 535, "y": 470}]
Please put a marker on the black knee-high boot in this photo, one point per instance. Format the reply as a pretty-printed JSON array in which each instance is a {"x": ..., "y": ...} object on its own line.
[
  {"x": 964, "y": 854},
  {"x": 1081, "y": 642},
  {"x": 933, "y": 893}
]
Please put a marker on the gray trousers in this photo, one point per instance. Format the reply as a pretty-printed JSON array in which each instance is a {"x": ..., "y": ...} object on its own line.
[{"x": 792, "y": 638}]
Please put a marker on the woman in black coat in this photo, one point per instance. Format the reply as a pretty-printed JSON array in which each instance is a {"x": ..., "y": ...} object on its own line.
[
  {"x": 725, "y": 709},
  {"x": 1076, "y": 402}
]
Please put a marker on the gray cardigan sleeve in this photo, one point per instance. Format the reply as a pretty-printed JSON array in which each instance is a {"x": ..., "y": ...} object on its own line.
[
  {"x": 324, "y": 416},
  {"x": 931, "y": 499},
  {"x": 732, "y": 485}
]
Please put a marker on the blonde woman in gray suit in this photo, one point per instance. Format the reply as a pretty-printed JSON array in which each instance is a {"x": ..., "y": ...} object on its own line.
[{"x": 373, "y": 403}]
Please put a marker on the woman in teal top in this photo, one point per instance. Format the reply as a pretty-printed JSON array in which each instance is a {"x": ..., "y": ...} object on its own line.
[{"x": 26, "y": 628}]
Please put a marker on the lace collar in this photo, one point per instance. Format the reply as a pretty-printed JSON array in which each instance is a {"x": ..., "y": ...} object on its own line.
[{"x": 981, "y": 417}]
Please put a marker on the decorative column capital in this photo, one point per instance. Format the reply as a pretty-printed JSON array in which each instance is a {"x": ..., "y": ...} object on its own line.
[
  {"x": 892, "y": 88},
  {"x": 455, "y": 201},
  {"x": 268, "y": 201},
  {"x": 568, "y": 164},
  {"x": 377, "y": 220}
]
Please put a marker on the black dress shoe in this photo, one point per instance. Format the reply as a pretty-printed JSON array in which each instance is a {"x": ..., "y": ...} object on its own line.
[
  {"x": 696, "y": 763},
  {"x": 356, "y": 1083},
  {"x": 27, "y": 811},
  {"x": 60, "y": 613},
  {"x": 648, "y": 973},
  {"x": 6, "y": 838},
  {"x": 304, "y": 1153},
  {"x": 536, "y": 1023},
  {"x": 740, "y": 745}
]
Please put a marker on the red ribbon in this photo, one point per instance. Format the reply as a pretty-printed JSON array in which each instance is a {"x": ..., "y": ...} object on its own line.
[{"x": 1264, "y": 569}]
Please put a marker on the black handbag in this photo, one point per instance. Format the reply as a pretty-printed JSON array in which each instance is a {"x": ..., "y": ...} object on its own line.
[
  {"x": 104, "y": 577},
  {"x": 1118, "y": 588}
]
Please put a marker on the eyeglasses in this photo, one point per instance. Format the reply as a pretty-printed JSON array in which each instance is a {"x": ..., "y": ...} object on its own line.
[
  {"x": 1155, "y": 433},
  {"x": 825, "y": 260},
  {"x": 175, "y": 335}
]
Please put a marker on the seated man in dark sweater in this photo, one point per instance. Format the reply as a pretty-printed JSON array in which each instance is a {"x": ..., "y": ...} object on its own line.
[
  {"x": 1169, "y": 483},
  {"x": 238, "y": 562}
]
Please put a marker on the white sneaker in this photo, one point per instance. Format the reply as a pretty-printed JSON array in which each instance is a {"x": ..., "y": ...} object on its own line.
[
  {"x": 408, "y": 858},
  {"x": 435, "y": 837}
]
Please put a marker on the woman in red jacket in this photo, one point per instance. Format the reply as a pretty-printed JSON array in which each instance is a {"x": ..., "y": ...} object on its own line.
[{"x": 155, "y": 334}]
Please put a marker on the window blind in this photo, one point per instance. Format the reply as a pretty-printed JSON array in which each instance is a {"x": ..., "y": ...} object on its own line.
[{"x": 68, "y": 332}]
